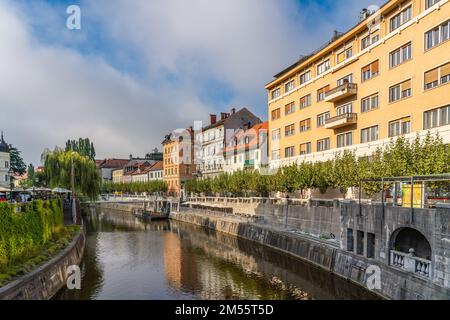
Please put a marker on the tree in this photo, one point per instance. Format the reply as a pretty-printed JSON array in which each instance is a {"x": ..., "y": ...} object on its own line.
[
  {"x": 17, "y": 164},
  {"x": 58, "y": 168},
  {"x": 83, "y": 146}
]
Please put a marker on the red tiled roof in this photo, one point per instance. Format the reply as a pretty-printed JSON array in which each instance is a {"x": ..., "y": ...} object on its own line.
[{"x": 111, "y": 163}]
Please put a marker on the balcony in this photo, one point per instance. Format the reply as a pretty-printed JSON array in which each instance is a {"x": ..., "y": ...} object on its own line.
[
  {"x": 340, "y": 121},
  {"x": 341, "y": 92},
  {"x": 410, "y": 263}
]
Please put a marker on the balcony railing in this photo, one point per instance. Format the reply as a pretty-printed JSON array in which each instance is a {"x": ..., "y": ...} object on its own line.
[
  {"x": 341, "y": 120},
  {"x": 341, "y": 92},
  {"x": 407, "y": 262}
]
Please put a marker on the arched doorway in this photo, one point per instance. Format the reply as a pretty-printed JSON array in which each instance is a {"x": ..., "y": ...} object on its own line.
[{"x": 404, "y": 239}]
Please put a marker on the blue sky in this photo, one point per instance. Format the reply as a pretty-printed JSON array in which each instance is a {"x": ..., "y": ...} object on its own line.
[{"x": 138, "y": 69}]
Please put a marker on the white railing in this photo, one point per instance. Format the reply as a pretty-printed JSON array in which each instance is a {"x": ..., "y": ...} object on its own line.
[{"x": 410, "y": 263}]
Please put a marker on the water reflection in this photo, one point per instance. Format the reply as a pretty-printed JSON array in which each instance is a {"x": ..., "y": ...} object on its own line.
[{"x": 128, "y": 259}]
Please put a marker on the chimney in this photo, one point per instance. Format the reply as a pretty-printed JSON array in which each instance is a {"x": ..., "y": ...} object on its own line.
[
  {"x": 233, "y": 111},
  {"x": 224, "y": 115},
  {"x": 213, "y": 118},
  {"x": 131, "y": 157}
]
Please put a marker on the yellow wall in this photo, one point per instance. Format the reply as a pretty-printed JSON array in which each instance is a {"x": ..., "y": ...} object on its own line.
[{"x": 414, "y": 69}]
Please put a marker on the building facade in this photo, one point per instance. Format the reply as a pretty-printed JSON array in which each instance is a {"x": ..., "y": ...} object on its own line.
[
  {"x": 386, "y": 77},
  {"x": 117, "y": 175},
  {"x": 247, "y": 149},
  {"x": 5, "y": 162},
  {"x": 213, "y": 138},
  {"x": 178, "y": 160},
  {"x": 107, "y": 166}
]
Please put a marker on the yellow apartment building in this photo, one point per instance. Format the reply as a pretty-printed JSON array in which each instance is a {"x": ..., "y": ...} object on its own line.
[
  {"x": 388, "y": 76},
  {"x": 178, "y": 160}
]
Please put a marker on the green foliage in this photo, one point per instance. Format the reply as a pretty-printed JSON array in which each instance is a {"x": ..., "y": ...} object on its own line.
[
  {"x": 83, "y": 146},
  {"x": 135, "y": 187},
  {"x": 21, "y": 233},
  {"x": 399, "y": 158},
  {"x": 17, "y": 164},
  {"x": 58, "y": 166}
]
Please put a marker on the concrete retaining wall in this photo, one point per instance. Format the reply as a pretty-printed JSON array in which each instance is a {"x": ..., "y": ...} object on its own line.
[
  {"x": 44, "y": 282},
  {"x": 395, "y": 284}
]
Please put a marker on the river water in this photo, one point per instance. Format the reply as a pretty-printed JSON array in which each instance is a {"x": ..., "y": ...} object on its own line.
[{"x": 126, "y": 258}]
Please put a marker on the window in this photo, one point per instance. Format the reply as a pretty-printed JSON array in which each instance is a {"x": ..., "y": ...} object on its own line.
[
  {"x": 275, "y": 155},
  {"x": 430, "y": 3},
  {"x": 401, "y": 18},
  {"x": 346, "y": 108},
  {"x": 276, "y": 93},
  {"x": 436, "y": 118},
  {"x": 276, "y": 114},
  {"x": 370, "y": 71},
  {"x": 367, "y": 41},
  {"x": 344, "y": 55},
  {"x": 289, "y": 130},
  {"x": 305, "y": 77},
  {"x": 305, "y": 125},
  {"x": 400, "y": 91},
  {"x": 437, "y": 35},
  {"x": 345, "y": 139},
  {"x": 289, "y": 108},
  {"x": 370, "y": 103},
  {"x": 346, "y": 79},
  {"x": 321, "y": 93},
  {"x": 289, "y": 86},
  {"x": 399, "y": 127},
  {"x": 276, "y": 134},
  {"x": 323, "y": 67},
  {"x": 350, "y": 240},
  {"x": 437, "y": 76},
  {"x": 289, "y": 152},
  {"x": 400, "y": 55},
  {"x": 369, "y": 134},
  {"x": 305, "y": 101},
  {"x": 323, "y": 144},
  {"x": 321, "y": 119},
  {"x": 305, "y": 148}
]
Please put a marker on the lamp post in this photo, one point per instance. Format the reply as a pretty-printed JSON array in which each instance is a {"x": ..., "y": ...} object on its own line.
[{"x": 72, "y": 182}]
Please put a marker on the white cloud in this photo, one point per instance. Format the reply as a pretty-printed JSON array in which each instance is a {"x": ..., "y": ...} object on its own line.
[{"x": 49, "y": 91}]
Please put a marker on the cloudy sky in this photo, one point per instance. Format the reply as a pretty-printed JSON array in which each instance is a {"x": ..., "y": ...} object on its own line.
[{"x": 138, "y": 69}]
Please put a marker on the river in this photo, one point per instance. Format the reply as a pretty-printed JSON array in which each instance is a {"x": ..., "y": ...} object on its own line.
[{"x": 126, "y": 258}]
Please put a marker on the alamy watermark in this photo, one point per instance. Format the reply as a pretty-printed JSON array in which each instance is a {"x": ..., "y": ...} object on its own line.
[
  {"x": 73, "y": 281},
  {"x": 73, "y": 22}
]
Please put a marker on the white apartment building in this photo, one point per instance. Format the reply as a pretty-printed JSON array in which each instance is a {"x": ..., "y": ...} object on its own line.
[
  {"x": 5, "y": 162},
  {"x": 213, "y": 138}
]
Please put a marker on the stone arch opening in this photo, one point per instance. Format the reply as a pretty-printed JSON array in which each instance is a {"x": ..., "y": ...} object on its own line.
[{"x": 404, "y": 239}]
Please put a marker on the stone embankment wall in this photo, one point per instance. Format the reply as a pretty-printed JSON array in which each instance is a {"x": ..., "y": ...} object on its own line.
[
  {"x": 395, "y": 284},
  {"x": 318, "y": 218},
  {"x": 44, "y": 282}
]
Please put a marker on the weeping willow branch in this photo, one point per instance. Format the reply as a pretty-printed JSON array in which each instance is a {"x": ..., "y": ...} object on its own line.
[{"x": 58, "y": 166}]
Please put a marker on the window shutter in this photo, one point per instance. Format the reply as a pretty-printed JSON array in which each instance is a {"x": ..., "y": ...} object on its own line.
[
  {"x": 445, "y": 70},
  {"x": 406, "y": 85},
  {"x": 431, "y": 75},
  {"x": 375, "y": 67}
]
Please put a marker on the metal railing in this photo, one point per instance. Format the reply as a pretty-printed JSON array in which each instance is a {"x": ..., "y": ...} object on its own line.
[
  {"x": 348, "y": 116},
  {"x": 342, "y": 87}
]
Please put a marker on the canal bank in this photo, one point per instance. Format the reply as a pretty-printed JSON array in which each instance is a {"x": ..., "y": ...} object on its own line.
[
  {"x": 44, "y": 282},
  {"x": 353, "y": 258}
]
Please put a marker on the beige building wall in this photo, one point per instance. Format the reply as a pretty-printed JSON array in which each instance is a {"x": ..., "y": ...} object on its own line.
[{"x": 413, "y": 70}]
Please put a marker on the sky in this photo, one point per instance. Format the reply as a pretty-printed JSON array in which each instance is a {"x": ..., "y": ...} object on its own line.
[{"x": 138, "y": 69}]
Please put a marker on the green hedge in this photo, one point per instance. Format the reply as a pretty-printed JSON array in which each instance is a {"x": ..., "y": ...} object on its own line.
[{"x": 22, "y": 233}]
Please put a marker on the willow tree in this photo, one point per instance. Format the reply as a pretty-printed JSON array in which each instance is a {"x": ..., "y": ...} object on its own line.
[{"x": 58, "y": 170}]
